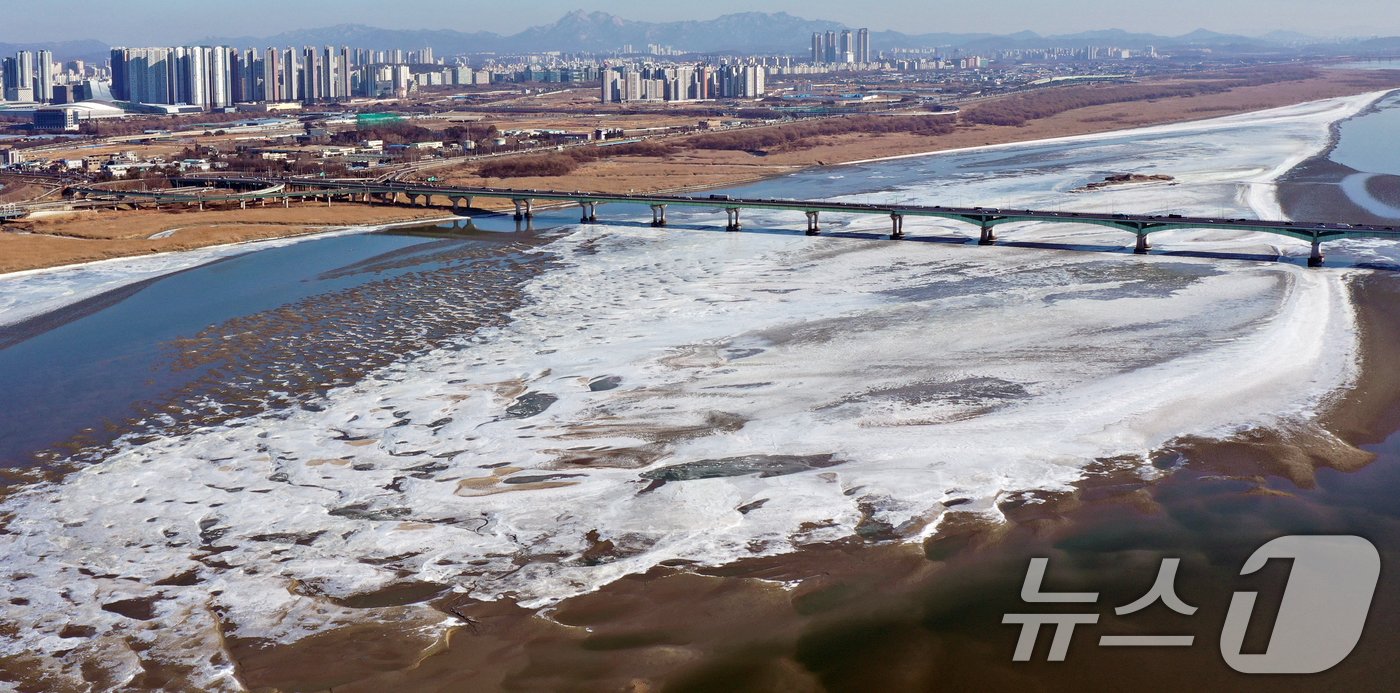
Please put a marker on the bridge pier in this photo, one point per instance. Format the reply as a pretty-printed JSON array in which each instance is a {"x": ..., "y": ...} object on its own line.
[
  {"x": 896, "y": 226},
  {"x": 523, "y": 209},
  {"x": 658, "y": 215},
  {"x": 988, "y": 237},
  {"x": 733, "y": 214},
  {"x": 814, "y": 226},
  {"x": 1316, "y": 257},
  {"x": 1142, "y": 245}
]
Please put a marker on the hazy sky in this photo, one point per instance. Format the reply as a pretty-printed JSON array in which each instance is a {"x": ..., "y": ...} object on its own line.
[{"x": 164, "y": 22}]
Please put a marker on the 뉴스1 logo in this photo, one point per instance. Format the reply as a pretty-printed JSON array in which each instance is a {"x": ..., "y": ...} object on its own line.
[{"x": 1319, "y": 621}]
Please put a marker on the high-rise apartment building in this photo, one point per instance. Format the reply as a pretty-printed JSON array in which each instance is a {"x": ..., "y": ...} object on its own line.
[
  {"x": 117, "y": 66},
  {"x": 312, "y": 66},
  {"x": 846, "y": 47},
  {"x": 326, "y": 75},
  {"x": 272, "y": 70},
  {"x": 149, "y": 75},
  {"x": 343, "y": 75},
  {"x": 220, "y": 77},
  {"x": 19, "y": 77},
  {"x": 43, "y": 76},
  {"x": 682, "y": 83}
]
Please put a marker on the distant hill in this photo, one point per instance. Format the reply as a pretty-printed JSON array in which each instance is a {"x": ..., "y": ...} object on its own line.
[
  {"x": 575, "y": 31},
  {"x": 777, "y": 32},
  {"x": 443, "y": 41},
  {"x": 746, "y": 32},
  {"x": 86, "y": 50}
]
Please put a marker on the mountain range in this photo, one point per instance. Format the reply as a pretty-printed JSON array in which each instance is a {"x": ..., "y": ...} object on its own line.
[{"x": 745, "y": 32}]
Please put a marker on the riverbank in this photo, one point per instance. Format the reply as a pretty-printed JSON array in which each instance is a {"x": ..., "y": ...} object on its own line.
[{"x": 95, "y": 235}]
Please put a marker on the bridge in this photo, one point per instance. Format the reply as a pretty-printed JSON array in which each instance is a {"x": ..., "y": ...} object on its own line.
[
  {"x": 986, "y": 220},
  {"x": 200, "y": 195},
  {"x": 12, "y": 211}
]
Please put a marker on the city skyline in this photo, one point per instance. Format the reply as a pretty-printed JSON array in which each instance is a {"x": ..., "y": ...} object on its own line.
[{"x": 128, "y": 23}]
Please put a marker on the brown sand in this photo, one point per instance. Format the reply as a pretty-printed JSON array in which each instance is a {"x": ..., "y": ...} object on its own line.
[{"x": 103, "y": 234}]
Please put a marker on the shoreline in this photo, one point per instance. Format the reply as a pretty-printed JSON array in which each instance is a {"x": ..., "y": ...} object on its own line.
[
  {"x": 14, "y": 317},
  {"x": 1320, "y": 183}
]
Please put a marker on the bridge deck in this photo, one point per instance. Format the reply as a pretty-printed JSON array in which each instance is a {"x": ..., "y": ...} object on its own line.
[{"x": 1138, "y": 224}]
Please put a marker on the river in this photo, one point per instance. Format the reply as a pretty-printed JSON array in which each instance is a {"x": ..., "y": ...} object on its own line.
[{"x": 265, "y": 445}]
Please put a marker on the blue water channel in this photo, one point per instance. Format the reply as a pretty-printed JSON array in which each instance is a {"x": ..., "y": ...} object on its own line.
[{"x": 94, "y": 369}]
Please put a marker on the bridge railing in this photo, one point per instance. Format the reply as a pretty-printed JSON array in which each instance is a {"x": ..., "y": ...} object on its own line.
[{"x": 1141, "y": 225}]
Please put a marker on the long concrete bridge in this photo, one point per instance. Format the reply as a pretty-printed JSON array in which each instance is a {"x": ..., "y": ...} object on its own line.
[{"x": 984, "y": 219}]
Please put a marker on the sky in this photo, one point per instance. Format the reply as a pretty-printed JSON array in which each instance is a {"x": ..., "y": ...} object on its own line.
[{"x": 165, "y": 22}]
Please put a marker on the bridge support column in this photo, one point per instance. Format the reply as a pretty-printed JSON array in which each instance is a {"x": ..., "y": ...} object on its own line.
[
  {"x": 658, "y": 215},
  {"x": 814, "y": 226},
  {"x": 242, "y": 204},
  {"x": 733, "y": 214},
  {"x": 587, "y": 215},
  {"x": 523, "y": 209},
  {"x": 1316, "y": 257},
  {"x": 1142, "y": 245},
  {"x": 896, "y": 226},
  {"x": 988, "y": 236},
  {"x": 286, "y": 201}
]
